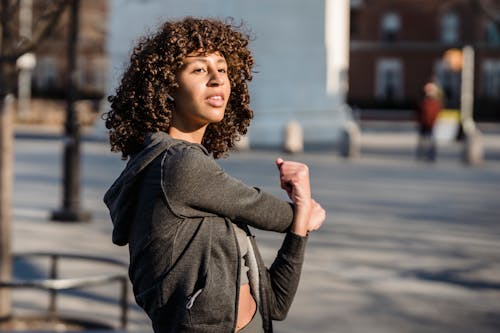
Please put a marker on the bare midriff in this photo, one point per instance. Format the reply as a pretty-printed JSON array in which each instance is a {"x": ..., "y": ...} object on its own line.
[{"x": 246, "y": 307}]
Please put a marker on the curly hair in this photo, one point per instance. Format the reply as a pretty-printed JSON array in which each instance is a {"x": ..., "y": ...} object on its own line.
[{"x": 141, "y": 105}]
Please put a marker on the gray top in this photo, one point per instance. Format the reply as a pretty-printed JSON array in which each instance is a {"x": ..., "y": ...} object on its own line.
[
  {"x": 242, "y": 238},
  {"x": 175, "y": 208}
]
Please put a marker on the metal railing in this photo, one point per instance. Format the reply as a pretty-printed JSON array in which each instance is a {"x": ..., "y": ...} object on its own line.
[{"x": 53, "y": 284}]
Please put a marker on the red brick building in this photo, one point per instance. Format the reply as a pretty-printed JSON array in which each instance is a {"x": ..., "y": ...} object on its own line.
[{"x": 396, "y": 46}]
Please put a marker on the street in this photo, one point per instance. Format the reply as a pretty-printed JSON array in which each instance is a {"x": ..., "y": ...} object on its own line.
[{"x": 407, "y": 246}]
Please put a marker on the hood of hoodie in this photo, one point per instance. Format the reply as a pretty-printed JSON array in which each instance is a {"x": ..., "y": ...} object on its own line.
[{"x": 121, "y": 196}]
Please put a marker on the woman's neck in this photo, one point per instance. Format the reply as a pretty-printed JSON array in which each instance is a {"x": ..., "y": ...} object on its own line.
[{"x": 191, "y": 136}]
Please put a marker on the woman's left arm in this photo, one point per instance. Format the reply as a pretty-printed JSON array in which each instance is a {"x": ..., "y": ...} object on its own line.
[{"x": 284, "y": 274}]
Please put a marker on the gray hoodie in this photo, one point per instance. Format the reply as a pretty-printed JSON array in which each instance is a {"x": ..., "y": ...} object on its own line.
[{"x": 175, "y": 207}]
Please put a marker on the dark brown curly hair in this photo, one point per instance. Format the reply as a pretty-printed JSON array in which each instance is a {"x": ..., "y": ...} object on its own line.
[{"x": 140, "y": 104}]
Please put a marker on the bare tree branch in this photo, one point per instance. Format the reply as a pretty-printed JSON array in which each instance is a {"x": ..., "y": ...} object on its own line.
[
  {"x": 48, "y": 11},
  {"x": 11, "y": 9},
  {"x": 490, "y": 8},
  {"x": 4, "y": 21},
  {"x": 52, "y": 18}
]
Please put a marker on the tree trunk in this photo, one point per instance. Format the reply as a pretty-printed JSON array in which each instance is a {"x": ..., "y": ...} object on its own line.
[
  {"x": 6, "y": 106},
  {"x": 10, "y": 50}
]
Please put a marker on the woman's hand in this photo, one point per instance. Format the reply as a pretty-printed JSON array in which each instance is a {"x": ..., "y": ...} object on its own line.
[
  {"x": 317, "y": 217},
  {"x": 294, "y": 179}
]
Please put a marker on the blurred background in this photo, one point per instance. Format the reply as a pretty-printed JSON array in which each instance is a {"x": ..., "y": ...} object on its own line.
[
  {"x": 409, "y": 247},
  {"x": 374, "y": 56}
]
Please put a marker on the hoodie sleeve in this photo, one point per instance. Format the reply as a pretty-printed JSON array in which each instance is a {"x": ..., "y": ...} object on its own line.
[
  {"x": 284, "y": 275},
  {"x": 195, "y": 185}
]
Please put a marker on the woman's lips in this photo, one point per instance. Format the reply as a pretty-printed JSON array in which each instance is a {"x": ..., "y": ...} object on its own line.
[{"x": 216, "y": 100}]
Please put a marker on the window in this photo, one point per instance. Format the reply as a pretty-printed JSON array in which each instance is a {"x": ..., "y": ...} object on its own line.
[
  {"x": 391, "y": 25},
  {"x": 389, "y": 79},
  {"x": 450, "y": 82},
  {"x": 92, "y": 72},
  {"x": 356, "y": 3},
  {"x": 354, "y": 22},
  {"x": 449, "y": 28},
  {"x": 100, "y": 65},
  {"x": 46, "y": 73},
  {"x": 491, "y": 78},
  {"x": 492, "y": 33},
  {"x": 82, "y": 71}
]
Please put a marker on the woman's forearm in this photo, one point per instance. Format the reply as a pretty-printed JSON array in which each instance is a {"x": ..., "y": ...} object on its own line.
[{"x": 301, "y": 217}]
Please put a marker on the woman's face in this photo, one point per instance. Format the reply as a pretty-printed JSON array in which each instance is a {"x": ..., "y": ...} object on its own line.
[{"x": 203, "y": 92}]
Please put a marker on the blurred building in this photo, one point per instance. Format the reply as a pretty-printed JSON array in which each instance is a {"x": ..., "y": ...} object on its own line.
[
  {"x": 397, "y": 45},
  {"x": 49, "y": 75},
  {"x": 300, "y": 48}
]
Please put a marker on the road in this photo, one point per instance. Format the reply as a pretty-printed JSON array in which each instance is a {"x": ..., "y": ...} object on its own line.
[{"x": 407, "y": 246}]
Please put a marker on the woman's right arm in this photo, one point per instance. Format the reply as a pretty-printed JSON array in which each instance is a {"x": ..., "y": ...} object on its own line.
[
  {"x": 194, "y": 183},
  {"x": 294, "y": 179}
]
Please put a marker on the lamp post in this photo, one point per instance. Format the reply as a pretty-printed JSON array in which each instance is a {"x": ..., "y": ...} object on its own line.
[
  {"x": 70, "y": 211},
  {"x": 467, "y": 90},
  {"x": 27, "y": 61},
  {"x": 473, "y": 151},
  {"x": 463, "y": 60}
]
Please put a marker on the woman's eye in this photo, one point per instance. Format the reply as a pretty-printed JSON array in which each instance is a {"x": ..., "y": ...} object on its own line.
[
  {"x": 222, "y": 70},
  {"x": 199, "y": 70}
]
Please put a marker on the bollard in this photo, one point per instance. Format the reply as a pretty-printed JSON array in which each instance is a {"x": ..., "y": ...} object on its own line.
[
  {"x": 6, "y": 138},
  {"x": 243, "y": 143},
  {"x": 350, "y": 140},
  {"x": 293, "y": 141},
  {"x": 473, "y": 151}
]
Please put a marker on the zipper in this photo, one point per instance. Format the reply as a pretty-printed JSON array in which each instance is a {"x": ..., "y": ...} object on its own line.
[
  {"x": 238, "y": 277},
  {"x": 192, "y": 298}
]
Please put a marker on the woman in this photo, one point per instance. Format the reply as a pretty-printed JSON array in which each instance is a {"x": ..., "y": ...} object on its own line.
[
  {"x": 194, "y": 264},
  {"x": 427, "y": 113}
]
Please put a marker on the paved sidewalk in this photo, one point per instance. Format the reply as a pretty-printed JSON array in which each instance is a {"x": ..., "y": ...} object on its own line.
[{"x": 407, "y": 247}]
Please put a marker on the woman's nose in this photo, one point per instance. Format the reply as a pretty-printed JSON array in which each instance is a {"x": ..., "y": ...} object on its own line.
[{"x": 217, "y": 79}]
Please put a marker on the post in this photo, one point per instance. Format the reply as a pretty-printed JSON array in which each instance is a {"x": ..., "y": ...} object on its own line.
[
  {"x": 293, "y": 139},
  {"x": 70, "y": 210},
  {"x": 467, "y": 90},
  {"x": 350, "y": 140},
  {"x": 473, "y": 146},
  {"x": 54, "y": 263},
  {"x": 6, "y": 151}
]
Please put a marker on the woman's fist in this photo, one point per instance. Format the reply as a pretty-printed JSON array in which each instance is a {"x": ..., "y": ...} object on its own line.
[{"x": 294, "y": 179}]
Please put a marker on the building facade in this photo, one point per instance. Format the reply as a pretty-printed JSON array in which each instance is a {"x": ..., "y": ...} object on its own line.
[
  {"x": 396, "y": 46},
  {"x": 300, "y": 48}
]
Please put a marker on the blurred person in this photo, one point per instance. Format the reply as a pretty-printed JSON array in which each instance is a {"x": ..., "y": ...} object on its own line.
[
  {"x": 427, "y": 113},
  {"x": 194, "y": 264}
]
